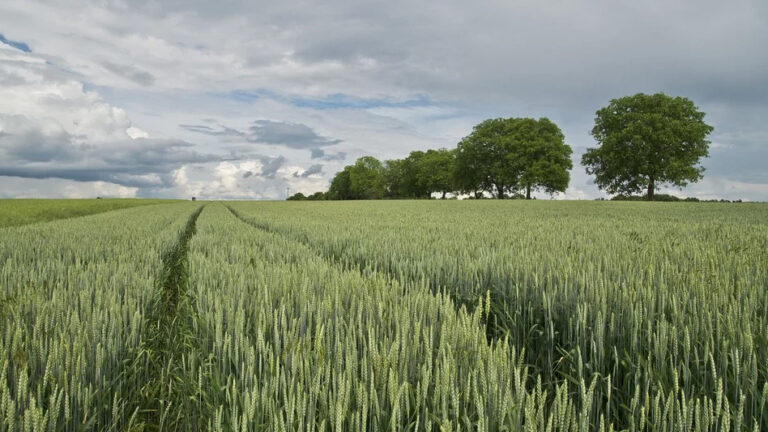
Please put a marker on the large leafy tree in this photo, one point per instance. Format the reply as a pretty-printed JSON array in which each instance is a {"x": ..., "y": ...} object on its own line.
[
  {"x": 543, "y": 157},
  {"x": 394, "y": 178},
  {"x": 467, "y": 175},
  {"x": 415, "y": 185},
  {"x": 646, "y": 141},
  {"x": 363, "y": 180},
  {"x": 340, "y": 188},
  {"x": 366, "y": 179},
  {"x": 504, "y": 156},
  {"x": 484, "y": 159},
  {"x": 436, "y": 171},
  {"x": 406, "y": 178}
]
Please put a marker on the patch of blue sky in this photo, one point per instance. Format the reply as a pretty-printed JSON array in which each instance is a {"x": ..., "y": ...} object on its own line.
[
  {"x": 21, "y": 46},
  {"x": 329, "y": 102},
  {"x": 246, "y": 95},
  {"x": 344, "y": 101}
]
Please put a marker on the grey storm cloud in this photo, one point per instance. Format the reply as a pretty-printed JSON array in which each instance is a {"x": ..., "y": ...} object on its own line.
[
  {"x": 138, "y": 76},
  {"x": 543, "y": 53},
  {"x": 750, "y": 157},
  {"x": 286, "y": 134},
  {"x": 219, "y": 131},
  {"x": 318, "y": 153},
  {"x": 26, "y": 150},
  {"x": 270, "y": 165},
  {"x": 28, "y": 144},
  {"x": 314, "y": 169},
  {"x": 293, "y": 135}
]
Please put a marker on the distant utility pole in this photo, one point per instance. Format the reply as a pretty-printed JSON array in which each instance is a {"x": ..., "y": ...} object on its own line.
[{"x": 287, "y": 192}]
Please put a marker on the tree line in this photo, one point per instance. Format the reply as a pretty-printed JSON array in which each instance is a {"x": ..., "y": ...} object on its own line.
[
  {"x": 644, "y": 142},
  {"x": 418, "y": 175}
]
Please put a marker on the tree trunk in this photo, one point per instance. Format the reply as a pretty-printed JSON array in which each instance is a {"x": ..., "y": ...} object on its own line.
[
  {"x": 528, "y": 192},
  {"x": 443, "y": 195},
  {"x": 477, "y": 194},
  {"x": 651, "y": 187},
  {"x": 500, "y": 191}
]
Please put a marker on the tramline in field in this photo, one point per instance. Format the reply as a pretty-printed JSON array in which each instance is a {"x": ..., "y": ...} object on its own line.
[{"x": 77, "y": 305}]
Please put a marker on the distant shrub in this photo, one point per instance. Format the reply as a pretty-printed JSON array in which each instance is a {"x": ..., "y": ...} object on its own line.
[
  {"x": 317, "y": 196},
  {"x": 656, "y": 197},
  {"x": 297, "y": 197}
]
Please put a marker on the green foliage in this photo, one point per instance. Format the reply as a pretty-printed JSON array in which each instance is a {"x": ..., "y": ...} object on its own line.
[
  {"x": 656, "y": 197},
  {"x": 396, "y": 178},
  {"x": 421, "y": 174},
  {"x": 366, "y": 179},
  {"x": 406, "y": 177},
  {"x": 543, "y": 156},
  {"x": 14, "y": 212},
  {"x": 297, "y": 197},
  {"x": 668, "y": 198},
  {"x": 363, "y": 180},
  {"x": 483, "y": 159},
  {"x": 646, "y": 141},
  {"x": 341, "y": 187},
  {"x": 503, "y": 156},
  {"x": 437, "y": 169},
  {"x": 317, "y": 196}
]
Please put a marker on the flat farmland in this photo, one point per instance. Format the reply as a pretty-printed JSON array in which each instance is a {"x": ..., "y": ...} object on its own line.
[
  {"x": 26, "y": 211},
  {"x": 431, "y": 315}
]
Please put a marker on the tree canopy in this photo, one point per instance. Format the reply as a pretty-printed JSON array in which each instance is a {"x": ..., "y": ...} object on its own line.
[
  {"x": 416, "y": 176},
  {"x": 646, "y": 141},
  {"x": 543, "y": 157},
  {"x": 500, "y": 156},
  {"x": 437, "y": 171},
  {"x": 405, "y": 177},
  {"x": 483, "y": 159},
  {"x": 366, "y": 178},
  {"x": 503, "y": 156},
  {"x": 363, "y": 180},
  {"x": 340, "y": 188}
]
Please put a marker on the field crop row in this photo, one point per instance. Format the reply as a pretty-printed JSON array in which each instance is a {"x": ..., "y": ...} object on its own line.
[
  {"x": 77, "y": 299},
  {"x": 17, "y": 212},
  {"x": 301, "y": 344},
  {"x": 535, "y": 316},
  {"x": 666, "y": 306}
]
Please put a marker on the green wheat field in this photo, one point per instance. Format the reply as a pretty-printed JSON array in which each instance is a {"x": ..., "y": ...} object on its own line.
[{"x": 434, "y": 315}]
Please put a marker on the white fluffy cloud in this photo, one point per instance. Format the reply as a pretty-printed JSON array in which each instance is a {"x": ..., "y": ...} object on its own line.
[
  {"x": 55, "y": 100},
  {"x": 244, "y": 179},
  {"x": 52, "y": 127},
  {"x": 17, "y": 187}
]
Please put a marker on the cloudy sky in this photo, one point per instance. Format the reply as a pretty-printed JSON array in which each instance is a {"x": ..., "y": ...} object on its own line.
[{"x": 244, "y": 99}]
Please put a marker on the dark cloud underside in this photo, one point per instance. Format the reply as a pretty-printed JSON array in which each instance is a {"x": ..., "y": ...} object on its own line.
[
  {"x": 312, "y": 170},
  {"x": 29, "y": 151},
  {"x": 286, "y": 134}
]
